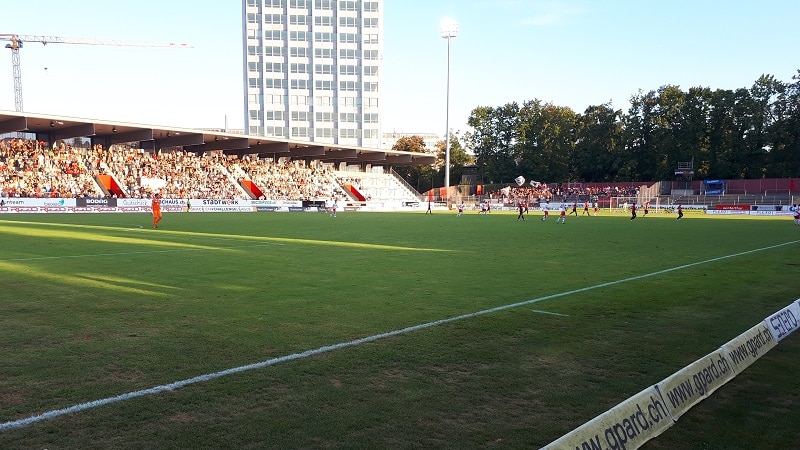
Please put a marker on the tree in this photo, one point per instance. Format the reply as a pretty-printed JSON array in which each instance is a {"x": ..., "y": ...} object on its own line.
[
  {"x": 598, "y": 140},
  {"x": 421, "y": 177},
  {"x": 458, "y": 159},
  {"x": 492, "y": 141},
  {"x": 414, "y": 144}
]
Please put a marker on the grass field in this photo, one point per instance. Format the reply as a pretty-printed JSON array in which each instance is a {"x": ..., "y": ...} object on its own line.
[{"x": 96, "y": 306}]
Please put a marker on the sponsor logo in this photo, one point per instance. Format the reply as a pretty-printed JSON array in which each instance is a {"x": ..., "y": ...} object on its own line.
[{"x": 220, "y": 202}]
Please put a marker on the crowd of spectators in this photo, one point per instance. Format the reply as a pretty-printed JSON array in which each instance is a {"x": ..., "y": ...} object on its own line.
[
  {"x": 171, "y": 174},
  {"x": 31, "y": 168},
  {"x": 615, "y": 190}
]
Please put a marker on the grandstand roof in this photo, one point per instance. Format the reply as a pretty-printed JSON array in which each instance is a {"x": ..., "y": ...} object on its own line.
[{"x": 52, "y": 128}]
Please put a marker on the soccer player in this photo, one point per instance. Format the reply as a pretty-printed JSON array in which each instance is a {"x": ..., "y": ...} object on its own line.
[
  {"x": 521, "y": 207},
  {"x": 546, "y": 211},
  {"x": 797, "y": 215},
  {"x": 586, "y": 208},
  {"x": 680, "y": 213},
  {"x": 460, "y": 209},
  {"x": 633, "y": 210},
  {"x": 574, "y": 209},
  {"x": 155, "y": 206},
  {"x": 333, "y": 208},
  {"x": 596, "y": 208},
  {"x": 646, "y": 207},
  {"x": 562, "y": 214}
]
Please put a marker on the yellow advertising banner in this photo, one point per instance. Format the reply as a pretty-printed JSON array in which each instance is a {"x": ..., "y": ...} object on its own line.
[
  {"x": 746, "y": 348},
  {"x": 693, "y": 383},
  {"x": 626, "y": 426}
]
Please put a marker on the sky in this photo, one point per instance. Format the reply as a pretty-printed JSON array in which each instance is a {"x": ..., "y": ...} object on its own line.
[{"x": 574, "y": 53}]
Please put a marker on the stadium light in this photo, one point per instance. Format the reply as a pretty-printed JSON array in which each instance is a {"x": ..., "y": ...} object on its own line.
[{"x": 449, "y": 29}]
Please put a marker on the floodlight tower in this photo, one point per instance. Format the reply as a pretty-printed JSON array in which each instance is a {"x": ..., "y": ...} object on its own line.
[{"x": 449, "y": 29}]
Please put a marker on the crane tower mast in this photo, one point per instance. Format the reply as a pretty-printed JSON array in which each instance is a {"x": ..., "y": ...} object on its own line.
[{"x": 16, "y": 41}]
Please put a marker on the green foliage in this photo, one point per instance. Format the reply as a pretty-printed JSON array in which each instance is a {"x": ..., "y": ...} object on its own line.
[{"x": 745, "y": 133}]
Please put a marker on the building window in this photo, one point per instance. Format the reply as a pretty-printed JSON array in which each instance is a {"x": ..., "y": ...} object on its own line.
[
  {"x": 348, "y": 53},
  {"x": 323, "y": 100},
  {"x": 349, "y": 117},
  {"x": 323, "y": 52},
  {"x": 275, "y": 3},
  {"x": 253, "y": 18},
  {"x": 370, "y": 87},
  {"x": 371, "y": 6},
  {"x": 370, "y": 118},
  {"x": 324, "y": 4},
  {"x": 273, "y": 51},
  {"x": 349, "y": 133},
  {"x": 274, "y": 115},
  {"x": 301, "y": 36},
  {"x": 371, "y": 102},
  {"x": 300, "y": 116},
  {"x": 348, "y": 22},
  {"x": 301, "y": 131},
  {"x": 370, "y": 134},
  {"x": 273, "y": 35},
  {"x": 254, "y": 83},
  {"x": 298, "y": 52},
  {"x": 349, "y": 5},
  {"x": 371, "y": 22},
  {"x": 273, "y": 18},
  {"x": 324, "y": 132},
  {"x": 276, "y": 131},
  {"x": 299, "y": 84},
  {"x": 299, "y": 20},
  {"x": 348, "y": 38},
  {"x": 299, "y": 100},
  {"x": 325, "y": 116},
  {"x": 324, "y": 85},
  {"x": 349, "y": 86},
  {"x": 274, "y": 99},
  {"x": 370, "y": 70},
  {"x": 324, "y": 69},
  {"x": 255, "y": 114},
  {"x": 274, "y": 83},
  {"x": 323, "y": 21},
  {"x": 348, "y": 70},
  {"x": 370, "y": 38},
  {"x": 298, "y": 68},
  {"x": 323, "y": 37},
  {"x": 299, "y": 3},
  {"x": 274, "y": 67}
]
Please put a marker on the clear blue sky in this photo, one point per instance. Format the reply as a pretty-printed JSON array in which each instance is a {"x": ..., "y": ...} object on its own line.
[{"x": 572, "y": 53}]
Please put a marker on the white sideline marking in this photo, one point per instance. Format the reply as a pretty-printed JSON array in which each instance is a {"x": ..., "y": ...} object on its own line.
[
  {"x": 549, "y": 313},
  {"x": 270, "y": 362}
]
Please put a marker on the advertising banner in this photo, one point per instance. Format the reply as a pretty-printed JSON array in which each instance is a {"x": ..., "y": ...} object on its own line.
[
  {"x": 626, "y": 426},
  {"x": 783, "y": 322},
  {"x": 746, "y": 348},
  {"x": 693, "y": 383}
]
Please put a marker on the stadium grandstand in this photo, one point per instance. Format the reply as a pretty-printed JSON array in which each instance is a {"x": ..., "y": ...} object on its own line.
[{"x": 53, "y": 157}]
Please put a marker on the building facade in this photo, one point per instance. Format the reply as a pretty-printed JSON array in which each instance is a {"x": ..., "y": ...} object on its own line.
[{"x": 312, "y": 70}]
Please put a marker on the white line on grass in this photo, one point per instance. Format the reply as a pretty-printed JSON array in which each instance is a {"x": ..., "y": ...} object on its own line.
[
  {"x": 549, "y": 313},
  {"x": 270, "y": 362}
]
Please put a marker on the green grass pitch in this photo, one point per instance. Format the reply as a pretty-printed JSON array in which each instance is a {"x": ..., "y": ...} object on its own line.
[{"x": 93, "y": 306}]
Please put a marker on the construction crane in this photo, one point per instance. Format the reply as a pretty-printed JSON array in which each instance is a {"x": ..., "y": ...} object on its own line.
[{"x": 15, "y": 42}]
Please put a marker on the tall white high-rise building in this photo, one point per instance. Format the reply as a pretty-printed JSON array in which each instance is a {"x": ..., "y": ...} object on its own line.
[{"x": 312, "y": 70}]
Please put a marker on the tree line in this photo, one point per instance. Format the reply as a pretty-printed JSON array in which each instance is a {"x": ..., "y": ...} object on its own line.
[{"x": 727, "y": 134}]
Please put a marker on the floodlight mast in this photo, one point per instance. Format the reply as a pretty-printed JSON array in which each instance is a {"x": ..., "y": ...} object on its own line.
[
  {"x": 449, "y": 29},
  {"x": 15, "y": 42}
]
